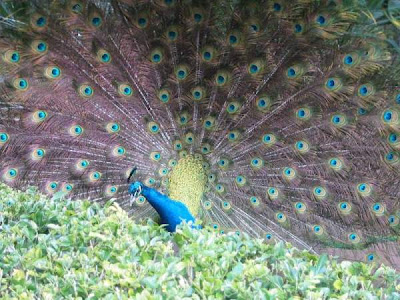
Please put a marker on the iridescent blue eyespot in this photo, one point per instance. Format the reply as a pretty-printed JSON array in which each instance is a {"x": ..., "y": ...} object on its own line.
[
  {"x": 11, "y": 56},
  {"x": 330, "y": 83},
  {"x": 220, "y": 188},
  {"x": 88, "y": 91},
  {"x": 197, "y": 17},
  {"x": 348, "y": 59},
  {"x": 376, "y": 207},
  {"x": 77, "y": 8},
  {"x": 223, "y": 162},
  {"x": 156, "y": 57},
  {"x": 300, "y": 207},
  {"x": 40, "y": 152},
  {"x": 254, "y": 27},
  {"x": 41, "y": 21},
  {"x": 353, "y": 236},
  {"x": 362, "y": 111},
  {"x": 393, "y": 220},
  {"x": 41, "y": 47},
  {"x": 96, "y": 21},
  {"x": 78, "y": 129},
  {"x": 253, "y": 68},
  {"x": 298, "y": 28},
  {"x": 207, "y": 55},
  {"x": 169, "y": 2},
  {"x": 268, "y": 236},
  {"x": 23, "y": 83},
  {"x": 105, "y": 57},
  {"x": 321, "y": 20},
  {"x": 142, "y": 22},
  {"x": 365, "y": 90},
  {"x": 269, "y": 139},
  {"x": 291, "y": 72},
  {"x": 41, "y": 115},
  {"x": 20, "y": 84},
  {"x": 387, "y": 115},
  {"x": 12, "y": 173},
  {"x": 277, "y": 7},
  {"x": 172, "y": 35},
  {"x": 393, "y": 137},
  {"x": 181, "y": 74},
  {"x": 233, "y": 39},
  {"x": 336, "y": 119},
  {"x": 398, "y": 98},
  {"x": 15, "y": 57},
  {"x": 164, "y": 97},
  {"x": 3, "y": 137},
  {"x": 240, "y": 180},
  {"x": 370, "y": 257},
  {"x": 55, "y": 72},
  {"x": 280, "y": 217},
  {"x": 390, "y": 156}
]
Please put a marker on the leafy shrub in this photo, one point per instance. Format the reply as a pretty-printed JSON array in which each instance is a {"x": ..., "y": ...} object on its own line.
[{"x": 63, "y": 249}]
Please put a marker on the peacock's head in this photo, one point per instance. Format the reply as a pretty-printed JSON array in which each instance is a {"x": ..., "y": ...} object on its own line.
[{"x": 135, "y": 188}]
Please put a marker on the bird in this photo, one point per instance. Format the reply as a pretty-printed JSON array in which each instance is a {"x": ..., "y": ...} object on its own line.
[{"x": 275, "y": 119}]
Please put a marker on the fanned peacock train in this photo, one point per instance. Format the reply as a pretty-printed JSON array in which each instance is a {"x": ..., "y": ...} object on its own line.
[{"x": 275, "y": 118}]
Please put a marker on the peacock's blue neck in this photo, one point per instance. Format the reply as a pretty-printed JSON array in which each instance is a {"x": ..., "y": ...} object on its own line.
[{"x": 171, "y": 212}]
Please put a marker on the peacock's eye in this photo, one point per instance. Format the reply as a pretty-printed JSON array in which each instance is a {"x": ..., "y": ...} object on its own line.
[
  {"x": 11, "y": 56},
  {"x": 77, "y": 8},
  {"x": 298, "y": 28},
  {"x": 277, "y": 7},
  {"x": 21, "y": 84},
  {"x": 348, "y": 60},
  {"x": 321, "y": 20},
  {"x": 96, "y": 21},
  {"x": 41, "y": 21},
  {"x": 291, "y": 72},
  {"x": 198, "y": 17},
  {"x": 142, "y": 22},
  {"x": 233, "y": 39}
]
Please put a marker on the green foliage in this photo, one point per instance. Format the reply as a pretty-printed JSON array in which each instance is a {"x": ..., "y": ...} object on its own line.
[{"x": 62, "y": 249}]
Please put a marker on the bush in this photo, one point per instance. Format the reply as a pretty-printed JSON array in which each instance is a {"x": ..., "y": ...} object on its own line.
[{"x": 63, "y": 249}]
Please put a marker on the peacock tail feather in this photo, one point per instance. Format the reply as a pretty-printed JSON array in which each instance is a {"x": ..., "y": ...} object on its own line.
[{"x": 275, "y": 118}]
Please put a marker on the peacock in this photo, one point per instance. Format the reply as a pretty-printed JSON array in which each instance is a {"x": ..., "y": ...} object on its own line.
[{"x": 277, "y": 119}]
